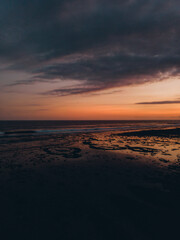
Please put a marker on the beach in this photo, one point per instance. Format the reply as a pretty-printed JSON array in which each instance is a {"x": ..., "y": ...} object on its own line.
[
  {"x": 89, "y": 120},
  {"x": 95, "y": 185}
]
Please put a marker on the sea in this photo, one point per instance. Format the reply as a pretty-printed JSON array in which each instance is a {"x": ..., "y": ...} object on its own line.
[{"x": 19, "y": 128}]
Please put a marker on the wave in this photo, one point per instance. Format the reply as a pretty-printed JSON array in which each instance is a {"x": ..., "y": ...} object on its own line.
[{"x": 82, "y": 130}]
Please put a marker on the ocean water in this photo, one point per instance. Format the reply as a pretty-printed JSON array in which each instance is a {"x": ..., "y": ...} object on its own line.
[{"x": 19, "y": 128}]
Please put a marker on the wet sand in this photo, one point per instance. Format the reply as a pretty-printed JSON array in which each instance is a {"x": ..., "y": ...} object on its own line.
[{"x": 92, "y": 186}]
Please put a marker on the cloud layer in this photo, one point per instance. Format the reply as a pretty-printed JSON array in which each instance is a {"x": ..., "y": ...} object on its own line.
[
  {"x": 160, "y": 102},
  {"x": 103, "y": 44}
]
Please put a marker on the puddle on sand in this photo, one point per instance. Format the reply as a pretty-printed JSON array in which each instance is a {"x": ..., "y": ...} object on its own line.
[{"x": 165, "y": 151}]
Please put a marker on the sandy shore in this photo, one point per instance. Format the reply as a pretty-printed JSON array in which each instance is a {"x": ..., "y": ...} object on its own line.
[{"x": 90, "y": 186}]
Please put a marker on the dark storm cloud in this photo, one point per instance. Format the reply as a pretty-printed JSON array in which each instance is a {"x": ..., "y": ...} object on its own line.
[{"x": 103, "y": 44}]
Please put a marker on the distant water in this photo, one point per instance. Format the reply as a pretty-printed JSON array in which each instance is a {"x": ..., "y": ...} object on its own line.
[{"x": 18, "y": 128}]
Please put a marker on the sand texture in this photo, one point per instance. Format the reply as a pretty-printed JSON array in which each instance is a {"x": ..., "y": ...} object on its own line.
[{"x": 90, "y": 186}]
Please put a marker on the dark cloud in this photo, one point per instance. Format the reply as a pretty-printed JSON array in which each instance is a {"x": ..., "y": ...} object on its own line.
[
  {"x": 160, "y": 102},
  {"x": 101, "y": 43}
]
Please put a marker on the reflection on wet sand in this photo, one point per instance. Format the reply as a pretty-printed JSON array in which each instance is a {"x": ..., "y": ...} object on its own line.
[
  {"x": 160, "y": 149},
  {"x": 90, "y": 186}
]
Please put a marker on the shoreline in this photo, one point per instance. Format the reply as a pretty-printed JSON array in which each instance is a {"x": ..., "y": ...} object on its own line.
[{"x": 122, "y": 131}]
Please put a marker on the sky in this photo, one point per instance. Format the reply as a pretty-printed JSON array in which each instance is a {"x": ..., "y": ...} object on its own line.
[{"x": 89, "y": 59}]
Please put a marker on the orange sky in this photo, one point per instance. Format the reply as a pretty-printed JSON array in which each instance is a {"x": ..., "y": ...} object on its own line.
[{"x": 25, "y": 102}]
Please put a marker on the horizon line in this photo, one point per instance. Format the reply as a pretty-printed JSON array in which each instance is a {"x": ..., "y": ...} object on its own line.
[{"x": 90, "y": 120}]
